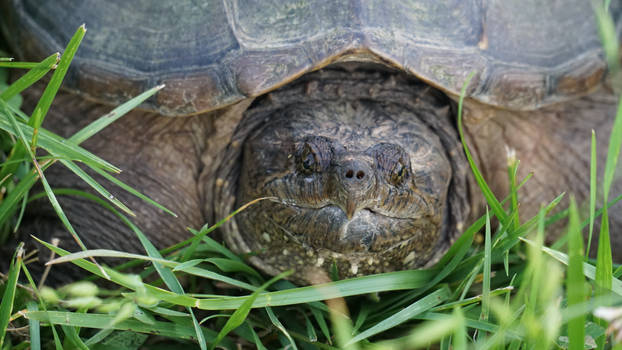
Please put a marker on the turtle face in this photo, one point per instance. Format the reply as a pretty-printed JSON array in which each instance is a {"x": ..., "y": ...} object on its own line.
[{"x": 363, "y": 184}]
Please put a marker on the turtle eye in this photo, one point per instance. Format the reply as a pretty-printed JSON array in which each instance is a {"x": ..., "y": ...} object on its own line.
[
  {"x": 308, "y": 162},
  {"x": 314, "y": 154},
  {"x": 393, "y": 161},
  {"x": 399, "y": 172}
]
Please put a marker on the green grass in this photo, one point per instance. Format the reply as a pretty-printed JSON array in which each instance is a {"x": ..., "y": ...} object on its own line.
[{"x": 508, "y": 292}]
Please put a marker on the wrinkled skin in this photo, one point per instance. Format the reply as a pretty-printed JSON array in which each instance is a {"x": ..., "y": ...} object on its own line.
[
  {"x": 198, "y": 167},
  {"x": 362, "y": 179},
  {"x": 344, "y": 182}
]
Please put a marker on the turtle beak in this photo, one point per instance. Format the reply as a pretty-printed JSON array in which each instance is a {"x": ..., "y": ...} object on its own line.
[{"x": 350, "y": 208}]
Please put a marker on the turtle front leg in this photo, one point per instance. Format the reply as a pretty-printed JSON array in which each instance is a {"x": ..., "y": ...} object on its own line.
[
  {"x": 159, "y": 156},
  {"x": 553, "y": 143}
]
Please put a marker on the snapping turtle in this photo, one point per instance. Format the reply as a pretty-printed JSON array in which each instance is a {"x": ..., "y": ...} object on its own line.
[{"x": 341, "y": 114}]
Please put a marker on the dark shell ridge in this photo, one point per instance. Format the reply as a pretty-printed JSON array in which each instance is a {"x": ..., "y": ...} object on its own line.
[{"x": 526, "y": 53}]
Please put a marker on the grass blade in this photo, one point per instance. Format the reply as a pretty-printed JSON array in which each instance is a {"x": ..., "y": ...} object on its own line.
[
  {"x": 170, "y": 280},
  {"x": 420, "y": 306},
  {"x": 213, "y": 244},
  {"x": 96, "y": 186},
  {"x": 589, "y": 271},
  {"x": 575, "y": 280},
  {"x": 486, "y": 191},
  {"x": 77, "y": 319},
  {"x": 52, "y": 143},
  {"x": 42, "y": 107},
  {"x": 470, "y": 323},
  {"x": 239, "y": 315},
  {"x": 6, "y": 306},
  {"x": 161, "y": 262},
  {"x": 431, "y": 332},
  {"x": 275, "y": 321},
  {"x": 48, "y": 190},
  {"x": 49, "y": 139},
  {"x": 592, "y": 193},
  {"x": 398, "y": 280},
  {"x": 613, "y": 153},
  {"x": 132, "y": 191},
  {"x": 9, "y": 63},
  {"x": 458, "y": 250},
  {"x": 124, "y": 280},
  {"x": 608, "y": 36},
  {"x": 57, "y": 208},
  {"x": 486, "y": 272},
  {"x": 57, "y": 341},
  {"x": 472, "y": 300},
  {"x": 460, "y": 334},
  {"x": 227, "y": 265},
  {"x": 604, "y": 263},
  {"x": 198, "y": 330},
  {"x": 512, "y": 173},
  {"x": 9, "y": 203},
  {"x": 73, "y": 338},
  {"x": 74, "y": 257},
  {"x": 111, "y": 117},
  {"x": 311, "y": 333},
  {"x": 107, "y": 253},
  {"x": 35, "y": 329},
  {"x": 32, "y": 76},
  {"x": 22, "y": 210},
  {"x": 198, "y": 237}
]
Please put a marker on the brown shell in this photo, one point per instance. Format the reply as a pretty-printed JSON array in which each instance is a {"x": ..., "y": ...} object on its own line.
[{"x": 526, "y": 53}]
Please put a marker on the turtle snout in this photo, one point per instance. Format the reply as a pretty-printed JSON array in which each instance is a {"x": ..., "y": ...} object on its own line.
[
  {"x": 356, "y": 180},
  {"x": 356, "y": 175}
]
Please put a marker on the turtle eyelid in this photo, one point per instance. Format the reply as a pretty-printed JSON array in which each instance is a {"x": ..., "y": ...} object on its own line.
[
  {"x": 399, "y": 172},
  {"x": 392, "y": 160},
  {"x": 388, "y": 154},
  {"x": 320, "y": 148}
]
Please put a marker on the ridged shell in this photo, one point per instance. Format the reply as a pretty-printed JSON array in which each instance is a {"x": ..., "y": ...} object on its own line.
[{"x": 526, "y": 53}]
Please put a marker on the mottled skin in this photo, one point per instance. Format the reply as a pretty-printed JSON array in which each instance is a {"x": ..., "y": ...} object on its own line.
[{"x": 363, "y": 169}]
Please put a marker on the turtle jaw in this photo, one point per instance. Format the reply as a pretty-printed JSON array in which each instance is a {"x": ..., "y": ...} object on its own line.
[
  {"x": 330, "y": 228},
  {"x": 284, "y": 236}
]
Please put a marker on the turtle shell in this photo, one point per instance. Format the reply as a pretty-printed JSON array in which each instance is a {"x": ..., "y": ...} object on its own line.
[{"x": 525, "y": 53}]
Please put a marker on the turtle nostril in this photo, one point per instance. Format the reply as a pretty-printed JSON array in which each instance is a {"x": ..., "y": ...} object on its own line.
[{"x": 359, "y": 174}]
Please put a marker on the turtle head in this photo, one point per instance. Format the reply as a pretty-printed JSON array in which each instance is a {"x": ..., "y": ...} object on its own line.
[{"x": 363, "y": 183}]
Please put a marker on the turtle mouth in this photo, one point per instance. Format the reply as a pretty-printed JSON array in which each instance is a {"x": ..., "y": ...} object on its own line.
[
  {"x": 360, "y": 210},
  {"x": 290, "y": 191},
  {"x": 364, "y": 238},
  {"x": 329, "y": 227}
]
